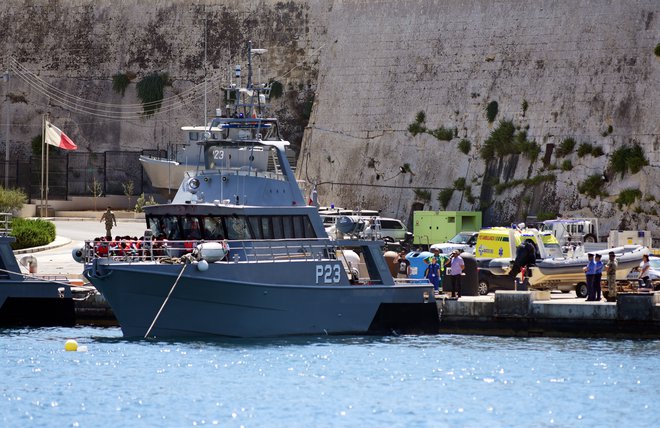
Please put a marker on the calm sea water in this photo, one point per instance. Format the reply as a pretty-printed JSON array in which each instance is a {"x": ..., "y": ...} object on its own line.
[{"x": 468, "y": 381}]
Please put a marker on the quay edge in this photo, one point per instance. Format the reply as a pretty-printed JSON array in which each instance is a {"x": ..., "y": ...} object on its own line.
[{"x": 533, "y": 313}]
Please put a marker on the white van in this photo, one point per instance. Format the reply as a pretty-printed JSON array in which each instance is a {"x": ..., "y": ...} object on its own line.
[{"x": 388, "y": 229}]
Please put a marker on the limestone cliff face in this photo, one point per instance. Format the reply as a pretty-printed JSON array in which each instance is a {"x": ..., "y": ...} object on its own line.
[
  {"x": 78, "y": 45},
  {"x": 583, "y": 69}
]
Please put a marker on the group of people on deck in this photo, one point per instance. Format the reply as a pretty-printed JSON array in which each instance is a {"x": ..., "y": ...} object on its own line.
[
  {"x": 594, "y": 272},
  {"x": 437, "y": 264}
]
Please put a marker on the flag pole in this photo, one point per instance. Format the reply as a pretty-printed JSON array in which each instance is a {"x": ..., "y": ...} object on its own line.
[
  {"x": 46, "y": 177},
  {"x": 43, "y": 143}
]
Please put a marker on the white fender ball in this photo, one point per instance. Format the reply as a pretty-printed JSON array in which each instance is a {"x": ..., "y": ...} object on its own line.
[{"x": 202, "y": 266}]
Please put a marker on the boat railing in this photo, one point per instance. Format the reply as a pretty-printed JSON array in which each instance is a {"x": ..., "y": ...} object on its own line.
[
  {"x": 5, "y": 224},
  {"x": 172, "y": 251}
]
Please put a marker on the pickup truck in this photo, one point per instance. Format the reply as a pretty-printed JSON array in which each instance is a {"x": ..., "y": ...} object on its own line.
[{"x": 463, "y": 242}]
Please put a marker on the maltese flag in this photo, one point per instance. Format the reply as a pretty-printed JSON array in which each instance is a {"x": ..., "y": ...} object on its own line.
[{"x": 55, "y": 137}]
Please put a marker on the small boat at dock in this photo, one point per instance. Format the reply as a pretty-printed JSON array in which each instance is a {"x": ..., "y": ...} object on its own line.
[{"x": 27, "y": 299}]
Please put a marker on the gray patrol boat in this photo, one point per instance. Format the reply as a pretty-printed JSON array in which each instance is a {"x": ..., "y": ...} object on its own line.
[{"x": 239, "y": 252}]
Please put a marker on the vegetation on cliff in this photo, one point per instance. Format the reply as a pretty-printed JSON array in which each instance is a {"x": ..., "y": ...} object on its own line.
[{"x": 150, "y": 90}]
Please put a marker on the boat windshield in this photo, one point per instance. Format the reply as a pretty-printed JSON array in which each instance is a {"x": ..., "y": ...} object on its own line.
[
  {"x": 232, "y": 227},
  {"x": 655, "y": 263},
  {"x": 461, "y": 238}
]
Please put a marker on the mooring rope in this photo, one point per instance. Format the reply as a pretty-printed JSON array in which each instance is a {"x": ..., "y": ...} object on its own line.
[{"x": 165, "y": 301}]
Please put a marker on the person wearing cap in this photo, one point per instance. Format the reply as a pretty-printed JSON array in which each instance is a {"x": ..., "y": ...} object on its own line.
[
  {"x": 456, "y": 267},
  {"x": 597, "y": 277},
  {"x": 610, "y": 269},
  {"x": 590, "y": 271}
]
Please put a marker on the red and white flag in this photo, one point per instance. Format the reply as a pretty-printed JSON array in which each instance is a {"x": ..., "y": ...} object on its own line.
[{"x": 55, "y": 137}]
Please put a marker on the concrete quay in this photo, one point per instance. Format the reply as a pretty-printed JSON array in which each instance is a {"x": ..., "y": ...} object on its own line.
[{"x": 536, "y": 313}]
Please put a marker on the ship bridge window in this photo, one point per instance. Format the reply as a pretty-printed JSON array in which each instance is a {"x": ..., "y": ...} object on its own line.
[
  {"x": 281, "y": 227},
  {"x": 193, "y": 136},
  {"x": 165, "y": 227},
  {"x": 278, "y": 229},
  {"x": 191, "y": 229},
  {"x": 213, "y": 229},
  {"x": 237, "y": 228}
]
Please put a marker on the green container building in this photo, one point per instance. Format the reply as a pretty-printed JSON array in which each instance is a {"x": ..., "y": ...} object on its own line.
[{"x": 432, "y": 227}]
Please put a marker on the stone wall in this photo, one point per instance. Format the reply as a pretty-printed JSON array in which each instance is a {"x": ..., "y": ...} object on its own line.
[
  {"x": 75, "y": 47},
  {"x": 585, "y": 69},
  {"x": 581, "y": 67}
]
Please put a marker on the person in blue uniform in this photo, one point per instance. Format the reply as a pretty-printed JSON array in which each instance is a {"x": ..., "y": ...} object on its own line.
[
  {"x": 590, "y": 271},
  {"x": 597, "y": 277},
  {"x": 432, "y": 272}
]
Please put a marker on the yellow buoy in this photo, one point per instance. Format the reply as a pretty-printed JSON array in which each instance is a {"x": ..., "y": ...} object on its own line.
[{"x": 71, "y": 345}]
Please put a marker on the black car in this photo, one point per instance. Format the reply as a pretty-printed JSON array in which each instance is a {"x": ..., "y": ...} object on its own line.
[{"x": 489, "y": 281}]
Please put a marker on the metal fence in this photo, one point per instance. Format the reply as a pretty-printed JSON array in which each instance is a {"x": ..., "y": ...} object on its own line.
[{"x": 79, "y": 174}]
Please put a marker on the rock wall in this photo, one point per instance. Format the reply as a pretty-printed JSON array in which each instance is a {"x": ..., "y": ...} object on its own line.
[
  {"x": 63, "y": 54},
  {"x": 585, "y": 70},
  {"x": 582, "y": 69}
]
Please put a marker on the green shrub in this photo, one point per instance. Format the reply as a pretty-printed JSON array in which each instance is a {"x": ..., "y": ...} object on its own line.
[
  {"x": 31, "y": 233},
  {"x": 120, "y": 82},
  {"x": 544, "y": 215},
  {"x": 565, "y": 147},
  {"x": 528, "y": 148},
  {"x": 307, "y": 107},
  {"x": 657, "y": 50},
  {"x": 597, "y": 152},
  {"x": 11, "y": 200},
  {"x": 276, "y": 89},
  {"x": 150, "y": 91},
  {"x": 459, "y": 184},
  {"x": 464, "y": 146},
  {"x": 500, "y": 141},
  {"x": 628, "y": 197},
  {"x": 584, "y": 149},
  {"x": 566, "y": 165},
  {"x": 420, "y": 117},
  {"x": 469, "y": 197},
  {"x": 491, "y": 111},
  {"x": 524, "y": 106},
  {"x": 422, "y": 195},
  {"x": 445, "y": 196},
  {"x": 416, "y": 128},
  {"x": 592, "y": 186},
  {"x": 627, "y": 159},
  {"x": 442, "y": 133},
  {"x": 142, "y": 202},
  {"x": 533, "y": 181}
]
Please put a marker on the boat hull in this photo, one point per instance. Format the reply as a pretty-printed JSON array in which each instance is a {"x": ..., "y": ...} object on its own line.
[
  {"x": 202, "y": 303},
  {"x": 36, "y": 304},
  {"x": 164, "y": 174}
]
